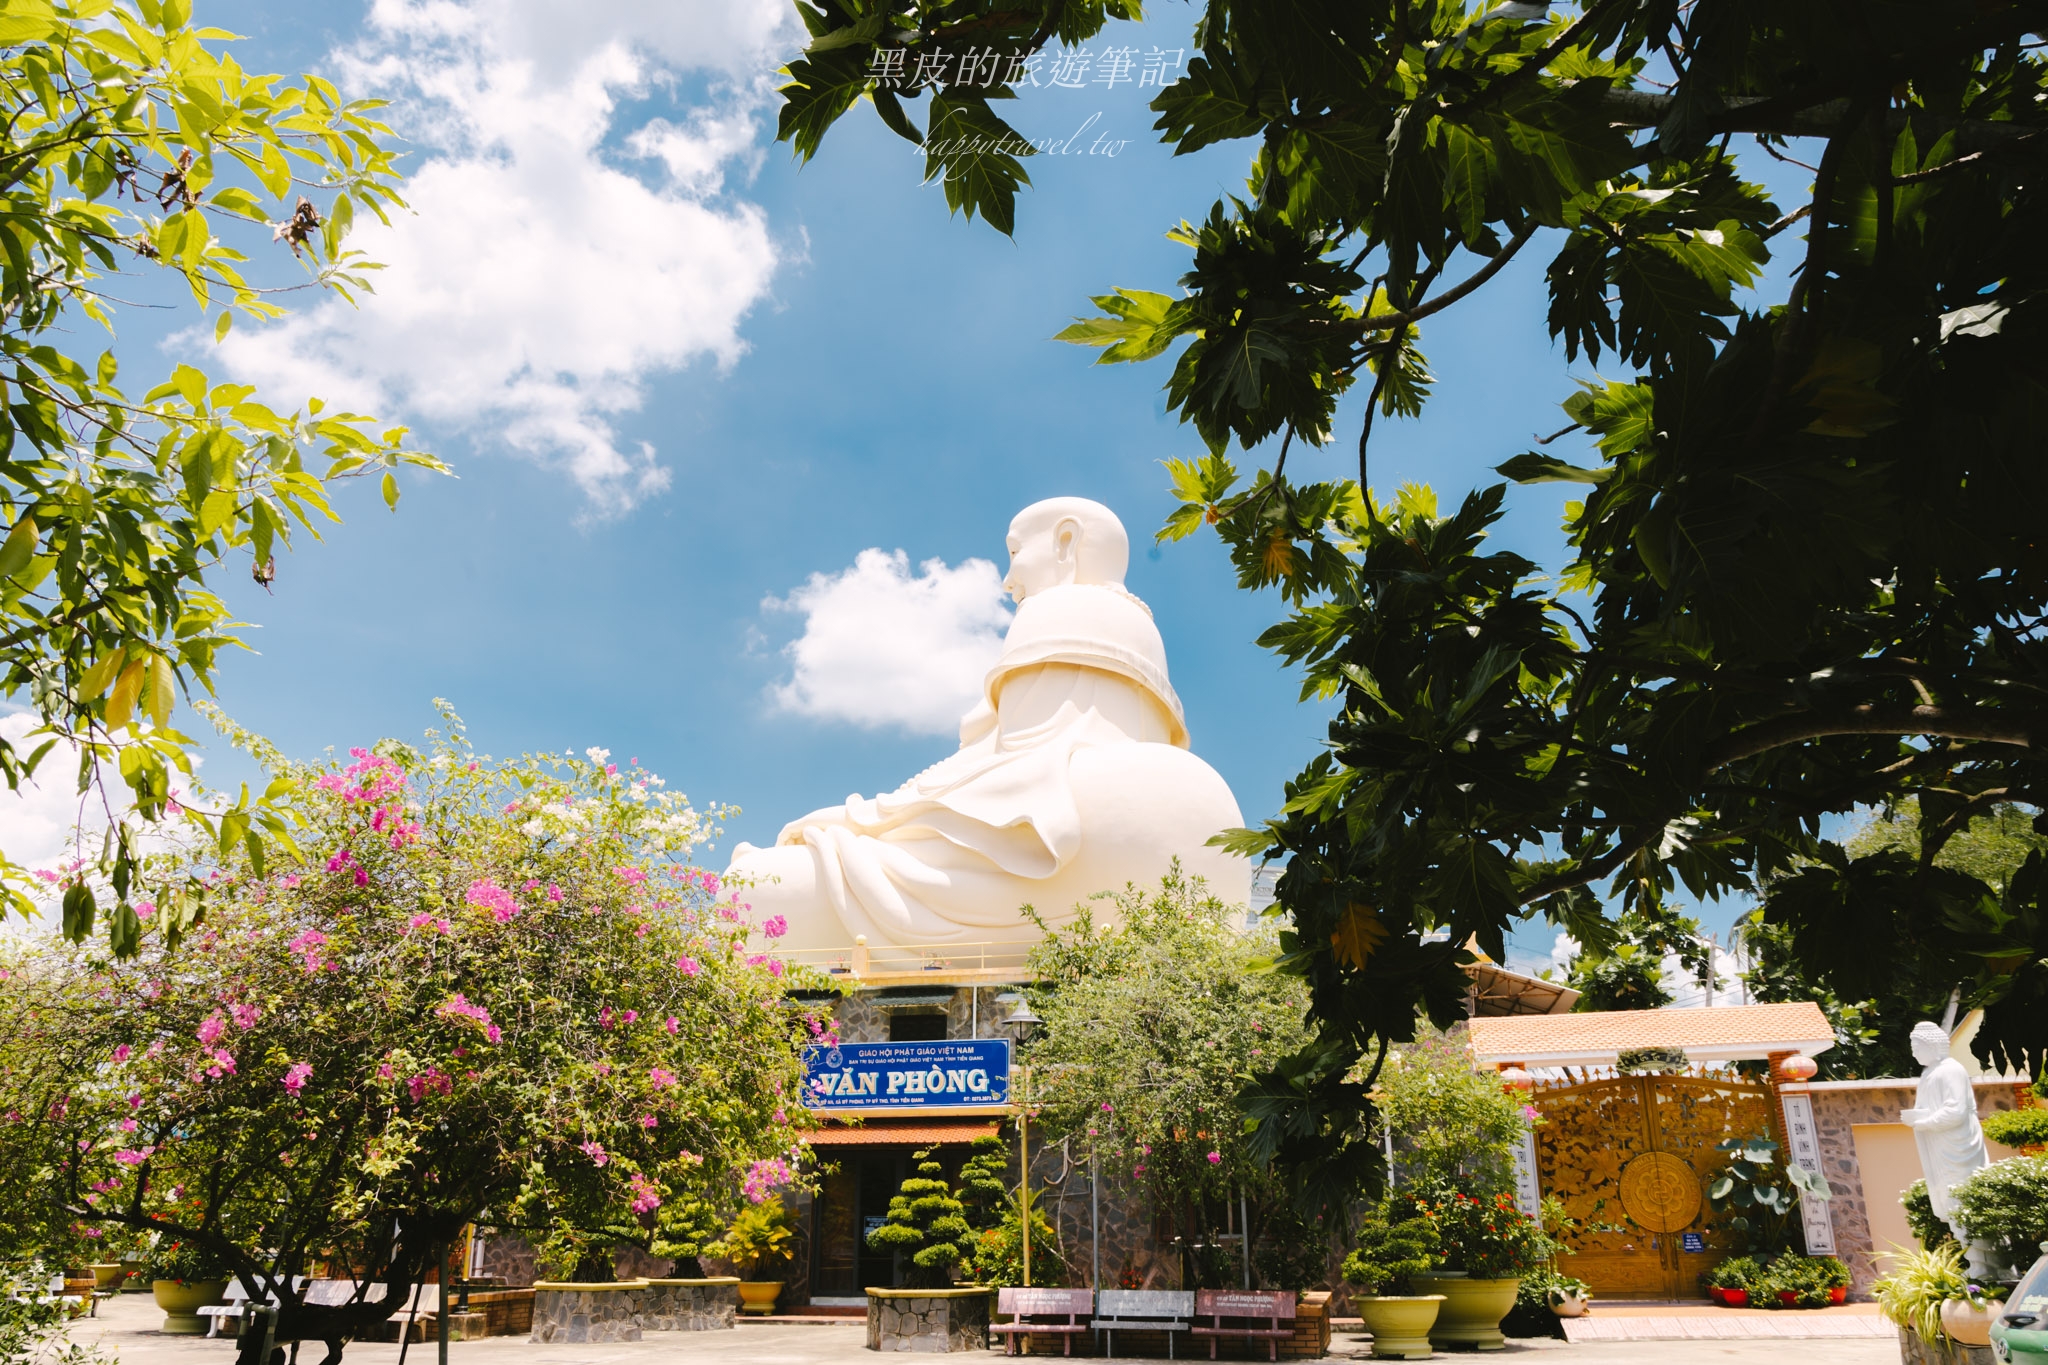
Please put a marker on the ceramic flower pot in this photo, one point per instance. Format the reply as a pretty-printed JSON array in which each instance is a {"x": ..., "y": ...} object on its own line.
[
  {"x": 1399, "y": 1323},
  {"x": 181, "y": 1301},
  {"x": 1472, "y": 1309},
  {"x": 758, "y": 1296},
  {"x": 1969, "y": 1324},
  {"x": 1731, "y": 1298},
  {"x": 133, "y": 1280},
  {"x": 107, "y": 1275},
  {"x": 1839, "y": 1294}
]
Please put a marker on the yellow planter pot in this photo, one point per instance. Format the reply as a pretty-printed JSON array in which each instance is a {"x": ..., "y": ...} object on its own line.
[
  {"x": 758, "y": 1296},
  {"x": 181, "y": 1301},
  {"x": 1399, "y": 1323},
  {"x": 1472, "y": 1309},
  {"x": 107, "y": 1275}
]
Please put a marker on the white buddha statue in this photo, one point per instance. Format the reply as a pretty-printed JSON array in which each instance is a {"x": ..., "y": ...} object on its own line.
[
  {"x": 1073, "y": 776},
  {"x": 1946, "y": 1130}
]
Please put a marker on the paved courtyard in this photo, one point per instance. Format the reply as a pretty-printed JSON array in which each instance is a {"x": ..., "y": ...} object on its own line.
[{"x": 127, "y": 1327}]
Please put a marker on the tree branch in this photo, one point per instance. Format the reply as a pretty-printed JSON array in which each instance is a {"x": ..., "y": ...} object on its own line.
[
  {"x": 2015, "y": 728},
  {"x": 1391, "y": 322}
]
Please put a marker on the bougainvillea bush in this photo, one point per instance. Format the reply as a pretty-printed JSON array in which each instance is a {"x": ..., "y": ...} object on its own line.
[{"x": 483, "y": 992}]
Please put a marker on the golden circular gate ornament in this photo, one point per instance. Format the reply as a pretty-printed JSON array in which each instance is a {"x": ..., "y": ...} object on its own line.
[{"x": 1660, "y": 1192}]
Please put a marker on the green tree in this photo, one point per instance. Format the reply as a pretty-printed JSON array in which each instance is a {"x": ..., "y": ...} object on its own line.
[
  {"x": 1806, "y": 573},
  {"x": 135, "y": 148},
  {"x": 1628, "y": 973},
  {"x": 1153, "y": 1017},
  {"x": 486, "y": 992},
  {"x": 1875, "y": 991},
  {"x": 926, "y": 1224},
  {"x": 1452, "y": 1127}
]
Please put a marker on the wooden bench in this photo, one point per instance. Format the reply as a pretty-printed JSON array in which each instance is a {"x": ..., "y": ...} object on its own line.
[
  {"x": 1143, "y": 1310},
  {"x": 1033, "y": 1310},
  {"x": 1269, "y": 1307}
]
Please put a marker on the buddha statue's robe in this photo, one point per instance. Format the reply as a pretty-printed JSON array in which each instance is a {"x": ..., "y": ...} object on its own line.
[
  {"x": 1948, "y": 1134},
  {"x": 1073, "y": 777}
]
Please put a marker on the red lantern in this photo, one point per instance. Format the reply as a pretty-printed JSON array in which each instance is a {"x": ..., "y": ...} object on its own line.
[
  {"x": 1515, "y": 1078},
  {"x": 1798, "y": 1067}
]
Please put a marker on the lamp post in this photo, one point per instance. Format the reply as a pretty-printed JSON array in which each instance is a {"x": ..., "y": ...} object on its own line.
[{"x": 1022, "y": 1021}]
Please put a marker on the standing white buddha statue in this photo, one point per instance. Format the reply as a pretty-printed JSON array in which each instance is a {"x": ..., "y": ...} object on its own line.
[
  {"x": 1073, "y": 776},
  {"x": 1946, "y": 1130}
]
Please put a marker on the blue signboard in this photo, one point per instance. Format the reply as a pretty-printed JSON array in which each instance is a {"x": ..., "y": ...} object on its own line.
[
  {"x": 1692, "y": 1241},
  {"x": 906, "y": 1075}
]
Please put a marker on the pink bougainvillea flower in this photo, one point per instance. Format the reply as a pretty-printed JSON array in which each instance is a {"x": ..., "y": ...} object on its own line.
[
  {"x": 223, "y": 1064},
  {"x": 144, "y": 909},
  {"x": 764, "y": 1177},
  {"x": 121, "y": 1053},
  {"x": 672, "y": 1025},
  {"x": 631, "y": 876},
  {"x": 709, "y": 881},
  {"x": 362, "y": 877},
  {"x": 595, "y": 1151},
  {"x": 289, "y": 882},
  {"x": 486, "y": 894},
  {"x": 245, "y": 1015},
  {"x": 128, "y": 1125},
  {"x": 688, "y": 966},
  {"x": 295, "y": 1076},
  {"x": 494, "y": 1033},
  {"x": 604, "y": 1016},
  {"x": 554, "y": 892},
  {"x": 660, "y": 1078},
  {"x": 423, "y": 920},
  {"x": 646, "y": 1196},
  {"x": 648, "y": 1121},
  {"x": 611, "y": 770},
  {"x": 1215, "y": 1158},
  {"x": 211, "y": 1029},
  {"x": 630, "y": 1017},
  {"x": 339, "y": 861},
  {"x": 775, "y": 926},
  {"x": 131, "y": 1157}
]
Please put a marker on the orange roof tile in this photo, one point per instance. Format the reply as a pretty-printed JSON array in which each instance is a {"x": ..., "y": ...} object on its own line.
[
  {"x": 905, "y": 1134},
  {"x": 1723, "y": 1033}
]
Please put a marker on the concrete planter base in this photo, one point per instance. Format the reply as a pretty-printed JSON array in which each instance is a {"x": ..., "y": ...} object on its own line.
[
  {"x": 691, "y": 1305},
  {"x": 1914, "y": 1351},
  {"x": 930, "y": 1320},
  {"x": 564, "y": 1311}
]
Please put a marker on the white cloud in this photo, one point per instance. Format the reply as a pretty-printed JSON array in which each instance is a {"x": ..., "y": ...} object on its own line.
[
  {"x": 565, "y": 245},
  {"x": 882, "y": 646}
]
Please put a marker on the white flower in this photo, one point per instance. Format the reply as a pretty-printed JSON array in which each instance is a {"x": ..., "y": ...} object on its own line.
[
  {"x": 597, "y": 756},
  {"x": 532, "y": 829}
]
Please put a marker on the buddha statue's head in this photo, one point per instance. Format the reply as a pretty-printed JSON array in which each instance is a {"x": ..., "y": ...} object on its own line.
[
  {"x": 1065, "y": 540},
  {"x": 1929, "y": 1042}
]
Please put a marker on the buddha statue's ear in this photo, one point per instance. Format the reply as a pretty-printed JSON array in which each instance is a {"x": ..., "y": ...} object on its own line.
[{"x": 1066, "y": 545}]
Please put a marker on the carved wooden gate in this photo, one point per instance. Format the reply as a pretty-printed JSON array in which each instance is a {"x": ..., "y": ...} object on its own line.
[{"x": 1638, "y": 1151}]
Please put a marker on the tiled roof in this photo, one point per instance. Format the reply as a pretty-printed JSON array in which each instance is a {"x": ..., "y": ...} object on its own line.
[
  {"x": 903, "y": 1135},
  {"x": 1724, "y": 1033}
]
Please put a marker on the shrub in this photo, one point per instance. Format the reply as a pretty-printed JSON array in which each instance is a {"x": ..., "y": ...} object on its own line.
[
  {"x": 1453, "y": 1127},
  {"x": 2018, "y": 1127},
  {"x": 1919, "y": 1283},
  {"x": 1754, "y": 1195},
  {"x": 1489, "y": 1239},
  {"x": 2006, "y": 1206},
  {"x": 1737, "y": 1272},
  {"x": 32, "y": 1322},
  {"x": 996, "y": 1257},
  {"x": 1930, "y": 1231},
  {"x": 1389, "y": 1253},
  {"x": 925, "y": 1224},
  {"x": 1812, "y": 1279},
  {"x": 1532, "y": 1316},
  {"x": 185, "y": 1261}
]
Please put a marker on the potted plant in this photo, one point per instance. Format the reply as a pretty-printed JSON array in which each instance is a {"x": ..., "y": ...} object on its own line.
[
  {"x": 2005, "y": 1206},
  {"x": 1487, "y": 1246},
  {"x": 1795, "y": 1281},
  {"x": 1387, "y": 1258},
  {"x": 1729, "y": 1282},
  {"x": 757, "y": 1240},
  {"x": 185, "y": 1278},
  {"x": 1968, "y": 1318},
  {"x": 1912, "y": 1293}
]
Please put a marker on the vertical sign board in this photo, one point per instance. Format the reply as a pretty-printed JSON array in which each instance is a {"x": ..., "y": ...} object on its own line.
[
  {"x": 906, "y": 1075},
  {"x": 1805, "y": 1144},
  {"x": 1528, "y": 1193}
]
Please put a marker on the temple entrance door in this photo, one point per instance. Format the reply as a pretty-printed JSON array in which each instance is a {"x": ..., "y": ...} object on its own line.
[
  {"x": 1635, "y": 1153},
  {"x": 852, "y": 1201}
]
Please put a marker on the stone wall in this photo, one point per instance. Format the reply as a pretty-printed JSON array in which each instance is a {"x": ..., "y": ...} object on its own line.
[
  {"x": 915, "y": 1322},
  {"x": 507, "y": 1257},
  {"x": 584, "y": 1313},
  {"x": 1835, "y": 1112},
  {"x": 623, "y": 1312}
]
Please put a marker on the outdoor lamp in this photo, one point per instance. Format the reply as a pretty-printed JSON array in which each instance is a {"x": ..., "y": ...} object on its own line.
[{"x": 1022, "y": 1019}]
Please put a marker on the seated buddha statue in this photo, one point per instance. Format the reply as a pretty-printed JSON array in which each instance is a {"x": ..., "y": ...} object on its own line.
[{"x": 1073, "y": 777}]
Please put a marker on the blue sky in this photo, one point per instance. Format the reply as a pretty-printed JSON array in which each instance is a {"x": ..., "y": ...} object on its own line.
[{"x": 679, "y": 375}]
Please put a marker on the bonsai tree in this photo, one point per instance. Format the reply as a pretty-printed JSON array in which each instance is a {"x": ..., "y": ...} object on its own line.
[
  {"x": 925, "y": 1224},
  {"x": 1389, "y": 1253},
  {"x": 477, "y": 991},
  {"x": 756, "y": 1240}
]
